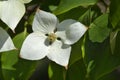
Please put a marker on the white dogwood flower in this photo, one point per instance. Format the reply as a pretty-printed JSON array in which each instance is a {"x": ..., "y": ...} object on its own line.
[
  {"x": 11, "y": 11},
  {"x": 6, "y": 43},
  {"x": 51, "y": 38}
]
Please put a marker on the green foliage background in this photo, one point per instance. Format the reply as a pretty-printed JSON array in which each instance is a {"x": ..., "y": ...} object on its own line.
[{"x": 95, "y": 57}]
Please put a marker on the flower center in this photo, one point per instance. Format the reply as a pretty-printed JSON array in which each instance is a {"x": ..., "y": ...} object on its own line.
[{"x": 52, "y": 37}]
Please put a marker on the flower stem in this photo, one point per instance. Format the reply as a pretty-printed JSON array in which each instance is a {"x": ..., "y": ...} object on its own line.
[{"x": 1, "y": 75}]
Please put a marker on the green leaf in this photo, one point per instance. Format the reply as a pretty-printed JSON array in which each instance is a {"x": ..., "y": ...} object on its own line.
[
  {"x": 117, "y": 46},
  {"x": 56, "y": 72},
  {"x": 115, "y": 12},
  {"x": 76, "y": 53},
  {"x": 87, "y": 17},
  {"x": 23, "y": 70},
  {"x": 76, "y": 13},
  {"x": 66, "y": 5},
  {"x": 52, "y": 8},
  {"x": 90, "y": 15},
  {"x": 77, "y": 71},
  {"x": 112, "y": 76},
  {"x": 104, "y": 61},
  {"x": 7, "y": 63},
  {"x": 99, "y": 31},
  {"x": 15, "y": 68}
]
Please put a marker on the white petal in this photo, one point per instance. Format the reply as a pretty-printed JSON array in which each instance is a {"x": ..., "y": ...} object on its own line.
[
  {"x": 60, "y": 53},
  {"x": 6, "y": 43},
  {"x": 0, "y": 7},
  {"x": 11, "y": 12},
  {"x": 25, "y": 1},
  {"x": 72, "y": 33},
  {"x": 44, "y": 22},
  {"x": 65, "y": 24},
  {"x": 34, "y": 47}
]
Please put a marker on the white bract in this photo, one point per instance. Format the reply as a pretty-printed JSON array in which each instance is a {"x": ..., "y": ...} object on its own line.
[
  {"x": 11, "y": 11},
  {"x": 51, "y": 38},
  {"x": 6, "y": 43}
]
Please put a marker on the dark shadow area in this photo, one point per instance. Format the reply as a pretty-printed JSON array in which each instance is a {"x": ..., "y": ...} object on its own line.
[{"x": 41, "y": 72}]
